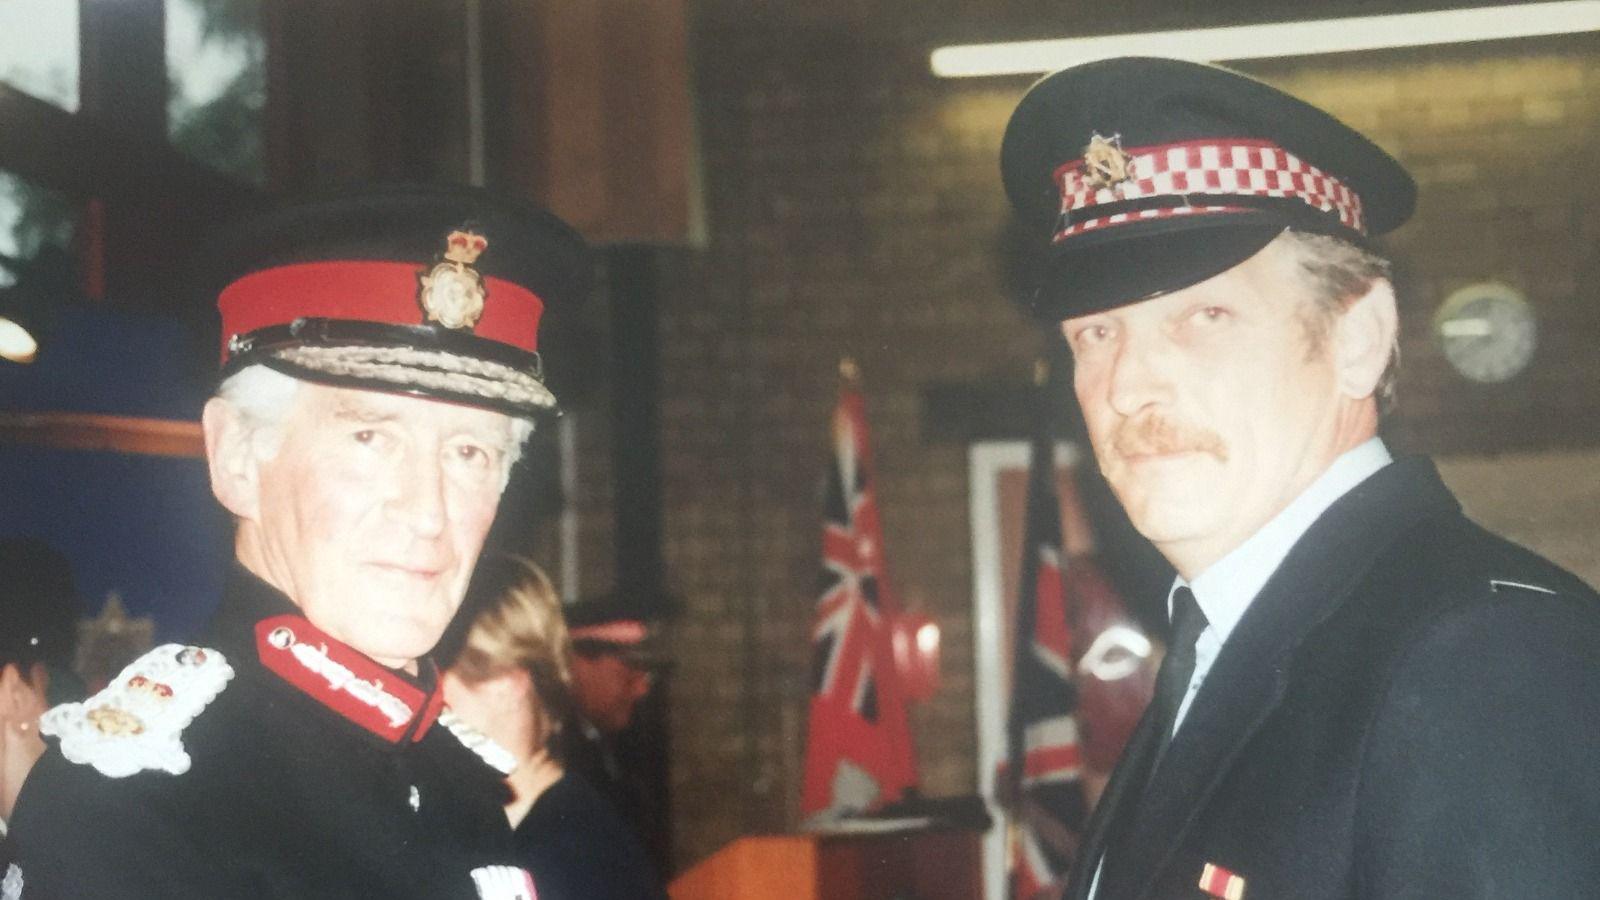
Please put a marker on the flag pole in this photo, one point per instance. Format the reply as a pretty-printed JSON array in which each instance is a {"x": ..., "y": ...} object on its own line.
[{"x": 1015, "y": 752}]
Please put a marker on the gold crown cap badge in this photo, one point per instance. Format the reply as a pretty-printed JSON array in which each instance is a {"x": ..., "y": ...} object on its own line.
[
  {"x": 453, "y": 293},
  {"x": 465, "y": 247}
]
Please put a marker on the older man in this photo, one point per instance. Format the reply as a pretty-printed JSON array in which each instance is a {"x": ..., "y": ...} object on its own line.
[
  {"x": 380, "y": 374},
  {"x": 1365, "y": 694}
]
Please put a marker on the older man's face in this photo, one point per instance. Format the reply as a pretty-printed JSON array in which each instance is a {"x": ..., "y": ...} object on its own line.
[
  {"x": 1207, "y": 408},
  {"x": 373, "y": 511}
]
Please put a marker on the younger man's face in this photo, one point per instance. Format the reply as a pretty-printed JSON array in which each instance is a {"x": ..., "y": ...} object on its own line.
[{"x": 1208, "y": 410}]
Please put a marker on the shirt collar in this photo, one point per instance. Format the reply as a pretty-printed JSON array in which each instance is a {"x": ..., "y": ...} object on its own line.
[{"x": 1226, "y": 589}]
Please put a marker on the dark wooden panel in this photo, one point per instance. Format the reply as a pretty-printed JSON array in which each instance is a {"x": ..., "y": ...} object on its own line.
[
  {"x": 122, "y": 74},
  {"x": 605, "y": 86},
  {"x": 75, "y": 155},
  {"x": 151, "y": 205},
  {"x": 938, "y": 865},
  {"x": 316, "y": 117},
  {"x": 914, "y": 865},
  {"x": 121, "y": 434}
]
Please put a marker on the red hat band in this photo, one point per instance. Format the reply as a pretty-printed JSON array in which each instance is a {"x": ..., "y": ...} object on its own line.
[{"x": 365, "y": 291}]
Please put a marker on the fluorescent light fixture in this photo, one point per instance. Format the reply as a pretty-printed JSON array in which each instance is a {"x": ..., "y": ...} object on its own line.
[
  {"x": 16, "y": 344},
  {"x": 1456, "y": 26}
]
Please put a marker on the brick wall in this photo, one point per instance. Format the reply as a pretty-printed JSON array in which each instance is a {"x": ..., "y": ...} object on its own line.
[
  {"x": 1545, "y": 500},
  {"x": 1504, "y": 142},
  {"x": 853, "y": 213},
  {"x": 855, "y": 210}
]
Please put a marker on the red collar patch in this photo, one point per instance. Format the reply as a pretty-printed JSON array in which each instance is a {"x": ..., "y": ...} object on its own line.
[{"x": 343, "y": 679}]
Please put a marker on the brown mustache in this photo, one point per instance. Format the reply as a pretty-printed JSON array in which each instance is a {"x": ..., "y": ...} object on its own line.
[{"x": 1153, "y": 435}]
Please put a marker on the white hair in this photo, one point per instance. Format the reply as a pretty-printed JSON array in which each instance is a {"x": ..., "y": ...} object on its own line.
[
  {"x": 1337, "y": 273},
  {"x": 263, "y": 397}
]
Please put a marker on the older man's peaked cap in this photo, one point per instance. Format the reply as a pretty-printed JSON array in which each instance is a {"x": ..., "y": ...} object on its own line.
[{"x": 429, "y": 290}]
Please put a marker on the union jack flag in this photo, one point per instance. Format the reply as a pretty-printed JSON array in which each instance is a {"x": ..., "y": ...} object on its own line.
[
  {"x": 1045, "y": 758},
  {"x": 858, "y": 745}
]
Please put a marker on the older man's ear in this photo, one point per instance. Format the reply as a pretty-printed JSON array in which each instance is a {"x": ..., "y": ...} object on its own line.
[
  {"x": 234, "y": 466},
  {"x": 1364, "y": 338}
]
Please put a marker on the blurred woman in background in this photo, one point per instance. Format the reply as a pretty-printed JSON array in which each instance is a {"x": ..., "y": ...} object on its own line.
[
  {"x": 39, "y": 611},
  {"x": 507, "y": 673}
]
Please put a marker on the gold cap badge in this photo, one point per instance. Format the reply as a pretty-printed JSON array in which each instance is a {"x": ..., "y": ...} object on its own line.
[
  {"x": 1105, "y": 163},
  {"x": 453, "y": 293}
]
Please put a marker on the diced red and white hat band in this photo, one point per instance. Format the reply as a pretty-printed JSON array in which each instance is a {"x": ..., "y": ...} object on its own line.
[{"x": 1158, "y": 182}]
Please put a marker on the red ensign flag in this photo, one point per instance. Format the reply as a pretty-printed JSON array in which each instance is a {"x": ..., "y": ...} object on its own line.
[{"x": 858, "y": 743}]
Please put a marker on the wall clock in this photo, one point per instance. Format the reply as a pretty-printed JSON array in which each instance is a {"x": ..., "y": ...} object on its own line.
[{"x": 1487, "y": 331}]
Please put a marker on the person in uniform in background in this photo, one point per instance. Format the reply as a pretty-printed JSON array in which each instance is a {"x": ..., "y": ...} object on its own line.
[
  {"x": 38, "y": 633},
  {"x": 616, "y": 656},
  {"x": 508, "y": 673},
  {"x": 1364, "y": 695},
  {"x": 379, "y": 375}
]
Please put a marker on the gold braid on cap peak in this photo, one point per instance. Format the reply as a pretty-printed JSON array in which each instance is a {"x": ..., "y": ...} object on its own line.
[{"x": 443, "y": 371}]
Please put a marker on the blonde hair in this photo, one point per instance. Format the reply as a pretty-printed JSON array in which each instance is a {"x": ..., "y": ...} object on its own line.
[{"x": 511, "y": 619}]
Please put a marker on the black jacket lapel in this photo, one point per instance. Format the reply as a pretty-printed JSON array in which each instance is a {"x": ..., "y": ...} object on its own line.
[
  {"x": 1247, "y": 680},
  {"x": 1120, "y": 798}
]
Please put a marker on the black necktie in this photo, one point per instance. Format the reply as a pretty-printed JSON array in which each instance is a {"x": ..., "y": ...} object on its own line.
[
  {"x": 1177, "y": 670},
  {"x": 1172, "y": 683}
]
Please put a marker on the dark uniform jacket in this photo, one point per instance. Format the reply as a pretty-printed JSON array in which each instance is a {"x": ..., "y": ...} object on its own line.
[
  {"x": 1409, "y": 708},
  {"x": 5, "y": 865},
  {"x": 610, "y": 764},
  {"x": 579, "y": 848},
  {"x": 586, "y": 752},
  {"x": 314, "y": 772}
]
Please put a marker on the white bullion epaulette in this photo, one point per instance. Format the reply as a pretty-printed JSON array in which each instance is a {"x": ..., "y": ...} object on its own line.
[
  {"x": 11, "y": 886},
  {"x": 137, "y": 721},
  {"x": 503, "y": 883},
  {"x": 478, "y": 742}
]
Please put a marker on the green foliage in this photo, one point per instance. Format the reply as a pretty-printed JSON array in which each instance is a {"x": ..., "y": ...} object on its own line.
[
  {"x": 225, "y": 132},
  {"x": 230, "y": 21},
  {"x": 44, "y": 218}
]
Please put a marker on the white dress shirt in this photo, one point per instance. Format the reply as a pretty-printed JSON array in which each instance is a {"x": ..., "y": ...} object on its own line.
[{"x": 1226, "y": 589}]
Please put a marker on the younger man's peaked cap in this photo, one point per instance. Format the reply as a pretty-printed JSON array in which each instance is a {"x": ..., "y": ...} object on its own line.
[{"x": 1161, "y": 173}]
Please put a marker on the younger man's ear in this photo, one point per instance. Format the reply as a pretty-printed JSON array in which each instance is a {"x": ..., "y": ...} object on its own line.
[
  {"x": 235, "y": 472},
  {"x": 1363, "y": 339}
]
